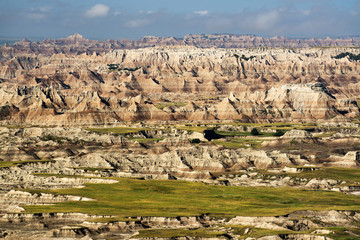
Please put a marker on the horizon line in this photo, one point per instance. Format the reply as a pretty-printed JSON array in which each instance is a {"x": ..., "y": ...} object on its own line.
[{"x": 42, "y": 38}]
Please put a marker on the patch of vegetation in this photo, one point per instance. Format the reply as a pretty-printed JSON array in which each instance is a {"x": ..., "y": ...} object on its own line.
[
  {"x": 129, "y": 69},
  {"x": 113, "y": 219},
  {"x": 279, "y": 133},
  {"x": 252, "y": 232},
  {"x": 240, "y": 143},
  {"x": 243, "y": 57},
  {"x": 113, "y": 66},
  {"x": 60, "y": 175},
  {"x": 353, "y": 57},
  {"x": 19, "y": 163},
  {"x": 233, "y": 133},
  {"x": 341, "y": 174},
  {"x": 132, "y": 197},
  {"x": 236, "y": 133},
  {"x": 62, "y": 140},
  {"x": 13, "y": 126},
  {"x": 170, "y": 104},
  {"x": 90, "y": 169},
  {"x": 193, "y": 128},
  {"x": 175, "y": 233},
  {"x": 230, "y": 144},
  {"x": 195, "y": 141},
  {"x": 59, "y": 140},
  {"x": 116, "y": 67},
  {"x": 275, "y": 125},
  {"x": 209, "y": 98},
  {"x": 323, "y": 135},
  {"x": 341, "y": 233},
  {"x": 117, "y": 130},
  {"x": 254, "y": 132}
]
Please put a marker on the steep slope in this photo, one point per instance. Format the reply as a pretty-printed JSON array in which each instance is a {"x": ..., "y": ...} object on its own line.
[{"x": 274, "y": 84}]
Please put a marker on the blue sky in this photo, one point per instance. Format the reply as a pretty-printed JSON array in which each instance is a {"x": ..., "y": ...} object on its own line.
[{"x": 133, "y": 19}]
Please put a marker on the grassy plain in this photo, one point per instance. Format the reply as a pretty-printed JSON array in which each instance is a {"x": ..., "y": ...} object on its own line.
[
  {"x": 173, "y": 233},
  {"x": 132, "y": 197}
]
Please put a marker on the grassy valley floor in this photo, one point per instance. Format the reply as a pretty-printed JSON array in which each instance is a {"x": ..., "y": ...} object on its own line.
[{"x": 132, "y": 197}]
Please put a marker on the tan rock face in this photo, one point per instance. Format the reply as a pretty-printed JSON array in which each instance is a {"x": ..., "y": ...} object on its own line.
[{"x": 210, "y": 84}]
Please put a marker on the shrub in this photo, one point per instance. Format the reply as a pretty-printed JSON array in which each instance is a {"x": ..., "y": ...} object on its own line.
[
  {"x": 195, "y": 140},
  {"x": 254, "y": 132},
  {"x": 278, "y": 133}
]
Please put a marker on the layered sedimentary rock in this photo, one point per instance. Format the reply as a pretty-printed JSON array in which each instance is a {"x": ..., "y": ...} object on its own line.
[
  {"x": 126, "y": 85},
  {"x": 77, "y": 44},
  {"x": 45, "y": 158}
]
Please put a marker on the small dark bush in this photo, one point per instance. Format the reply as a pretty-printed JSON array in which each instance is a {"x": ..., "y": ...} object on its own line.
[
  {"x": 278, "y": 133},
  {"x": 254, "y": 132},
  {"x": 195, "y": 140}
]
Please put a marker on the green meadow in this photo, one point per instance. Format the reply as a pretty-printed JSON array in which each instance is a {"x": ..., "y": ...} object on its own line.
[{"x": 133, "y": 197}]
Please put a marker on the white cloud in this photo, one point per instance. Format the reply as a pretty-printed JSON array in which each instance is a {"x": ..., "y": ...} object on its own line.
[
  {"x": 99, "y": 10},
  {"x": 117, "y": 13},
  {"x": 38, "y": 13},
  {"x": 306, "y": 12},
  {"x": 45, "y": 9},
  {"x": 201, "y": 13},
  {"x": 353, "y": 13},
  {"x": 35, "y": 16},
  {"x": 137, "y": 23},
  {"x": 42, "y": 9},
  {"x": 143, "y": 12},
  {"x": 264, "y": 21}
]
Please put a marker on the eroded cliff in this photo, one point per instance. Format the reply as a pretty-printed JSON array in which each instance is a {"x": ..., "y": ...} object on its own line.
[{"x": 180, "y": 83}]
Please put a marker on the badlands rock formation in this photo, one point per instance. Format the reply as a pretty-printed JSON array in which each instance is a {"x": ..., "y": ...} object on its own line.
[
  {"x": 174, "y": 83},
  {"x": 44, "y": 158},
  {"x": 78, "y": 44},
  {"x": 156, "y": 107}
]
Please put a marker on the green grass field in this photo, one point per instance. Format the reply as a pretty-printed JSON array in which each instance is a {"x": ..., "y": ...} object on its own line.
[
  {"x": 132, "y": 197},
  {"x": 211, "y": 232},
  {"x": 173, "y": 233},
  {"x": 17, "y": 163},
  {"x": 163, "y": 105},
  {"x": 345, "y": 233},
  {"x": 194, "y": 128},
  {"x": 243, "y": 231},
  {"x": 116, "y": 130},
  {"x": 234, "y": 133}
]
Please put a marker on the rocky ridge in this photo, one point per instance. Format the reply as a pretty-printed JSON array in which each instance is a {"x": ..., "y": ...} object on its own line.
[
  {"x": 77, "y": 44},
  {"x": 169, "y": 84}
]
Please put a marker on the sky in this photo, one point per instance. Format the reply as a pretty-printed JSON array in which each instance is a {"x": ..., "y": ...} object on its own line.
[{"x": 133, "y": 19}]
